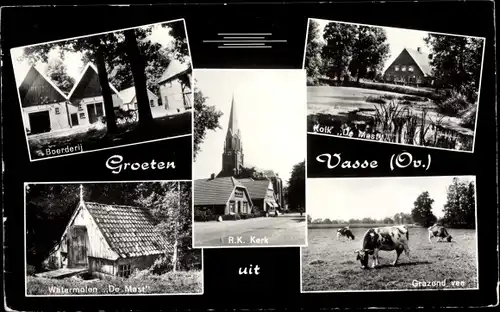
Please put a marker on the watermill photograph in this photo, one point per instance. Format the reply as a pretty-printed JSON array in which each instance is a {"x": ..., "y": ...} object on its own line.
[
  {"x": 105, "y": 90},
  {"x": 393, "y": 85},
  {"x": 390, "y": 234},
  {"x": 116, "y": 238},
  {"x": 249, "y": 158}
]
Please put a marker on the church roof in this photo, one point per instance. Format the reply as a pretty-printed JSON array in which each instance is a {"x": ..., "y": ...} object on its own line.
[{"x": 214, "y": 191}]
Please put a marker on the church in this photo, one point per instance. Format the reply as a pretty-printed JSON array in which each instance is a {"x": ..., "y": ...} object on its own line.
[{"x": 264, "y": 187}]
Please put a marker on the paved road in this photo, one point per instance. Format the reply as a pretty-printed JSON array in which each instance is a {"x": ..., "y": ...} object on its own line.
[{"x": 284, "y": 230}]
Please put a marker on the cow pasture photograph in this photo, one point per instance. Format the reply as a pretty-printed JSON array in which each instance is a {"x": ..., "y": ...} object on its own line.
[
  {"x": 105, "y": 90},
  {"x": 393, "y": 85},
  {"x": 382, "y": 234},
  {"x": 110, "y": 239}
]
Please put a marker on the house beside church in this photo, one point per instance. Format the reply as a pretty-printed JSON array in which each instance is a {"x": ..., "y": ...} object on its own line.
[
  {"x": 108, "y": 241},
  {"x": 412, "y": 67},
  {"x": 130, "y": 100}
]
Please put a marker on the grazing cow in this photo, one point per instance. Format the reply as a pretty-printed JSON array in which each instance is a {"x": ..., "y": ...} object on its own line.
[
  {"x": 384, "y": 238},
  {"x": 440, "y": 232},
  {"x": 346, "y": 232}
]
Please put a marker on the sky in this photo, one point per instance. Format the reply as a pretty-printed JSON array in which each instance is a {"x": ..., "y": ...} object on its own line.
[
  {"x": 397, "y": 38},
  {"x": 72, "y": 60},
  {"x": 376, "y": 198},
  {"x": 271, "y": 110}
]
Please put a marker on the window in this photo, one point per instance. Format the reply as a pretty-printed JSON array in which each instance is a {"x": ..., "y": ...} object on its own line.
[
  {"x": 410, "y": 68},
  {"x": 166, "y": 102},
  {"x": 57, "y": 111},
  {"x": 396, "y": 68},
  {"x": 80, "y": 108},
  {"x": 124, "y": 270},
  {"x": 403, "y": 68},
  {"x": 151, "y": 103},
  {"x": 245, "y": 207},
  {"x": 231, "y": 206},
  {"x": 82, "y": 116}
]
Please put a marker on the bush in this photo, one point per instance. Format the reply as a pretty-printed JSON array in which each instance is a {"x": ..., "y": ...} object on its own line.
[
  {"x": 30, "y": 270},
  {"x": 203, "y": 215},
  {"x": 469, "y": 117},
  {"x": 388, "y": 96},
  {"x": 232, "y": 217},
  {"x": 375, "y": 99},
  {"x": 413, "y": 98},
  {"x": 453, "y": 105}
]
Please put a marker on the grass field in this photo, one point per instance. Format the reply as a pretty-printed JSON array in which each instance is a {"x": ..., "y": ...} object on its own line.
[
  {"x": 170, "y": 283},
  {"x": 330, "y": 265}
]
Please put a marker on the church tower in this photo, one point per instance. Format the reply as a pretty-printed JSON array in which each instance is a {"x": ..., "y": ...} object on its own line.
[{"x": 232, "y": 158}]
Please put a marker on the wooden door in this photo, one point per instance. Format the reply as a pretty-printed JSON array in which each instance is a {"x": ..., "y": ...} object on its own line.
[
  {"x": 92, "y": 114},
  {"x": 77, "y": 247},
  {"x": 74, "y": 119},
  {"x": 39, "y": 122}
]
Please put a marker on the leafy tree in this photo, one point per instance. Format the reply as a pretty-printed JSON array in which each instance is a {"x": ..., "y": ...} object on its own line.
[
  {"x": 57, "y": 72},
  {"x": 327, "y": 221},
  {"x": 309, "y": 219},
  {"x": 337, "y": 51},
  {"x": 402, "y": 218},
  {"x": 297, "y": 187},
  {"x": 388, "y": 221},
  {"x": 251, "y": 172},
  {"x": 205, "y": 118},
  {"x": 313, "y": 61},
  {"x": 422, "y": 210},
  {"x": 456, "y": 62},
  {"x": 369, "y": 51},
  {"x": 459, "y": 209}
]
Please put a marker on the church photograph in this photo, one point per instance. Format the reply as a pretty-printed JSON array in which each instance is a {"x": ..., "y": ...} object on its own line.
[{"x": 249, "y": 158}]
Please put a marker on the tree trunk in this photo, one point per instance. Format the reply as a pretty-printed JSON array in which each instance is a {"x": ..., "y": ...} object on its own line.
[
  {"x": 105, "y": 88},
  {"x": 176, "y": 243},
  {"x": 137, "y": 67}
]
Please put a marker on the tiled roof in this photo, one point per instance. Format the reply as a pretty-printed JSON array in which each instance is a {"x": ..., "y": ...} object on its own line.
[
  {"x": 422, "y": 60},
  {"x": 128, "y": 230},
  {"x": 256, "y": 188},
  {"x": 174, "y": 69},
  {"x": 127, "y": 95},
  {"x": 46, "y": 91},
  {"x": 214, "y": 191}
]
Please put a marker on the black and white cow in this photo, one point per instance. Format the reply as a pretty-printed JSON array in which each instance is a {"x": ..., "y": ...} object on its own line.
[
  {"x": 440, "y": 232},
  {"x": 345, "y": 232},
  {"x": 384, "y": 238}
]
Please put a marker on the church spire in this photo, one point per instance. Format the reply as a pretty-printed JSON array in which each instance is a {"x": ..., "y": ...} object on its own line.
[{"x": 232, "y": 128}]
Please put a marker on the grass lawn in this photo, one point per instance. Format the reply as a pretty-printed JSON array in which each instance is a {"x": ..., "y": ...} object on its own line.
[
  {"x": 93, "y": 138},
  {"x": 169, "y": 283},
  {"x": 331, "y": 265},
  {"x": 398, "y": 117}
]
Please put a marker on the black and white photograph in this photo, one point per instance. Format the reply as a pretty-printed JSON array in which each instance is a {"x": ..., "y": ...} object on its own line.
[
  {"x": 389, "y": 234},
  {"x": 116, "y": 238},
  {"x": 393, "y": 85},
  {"x": 249, "y": 158},
  {"x": 105, "y": 90}
]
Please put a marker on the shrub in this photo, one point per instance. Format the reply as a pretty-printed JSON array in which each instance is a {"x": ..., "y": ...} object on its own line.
[
  {"x": 375, "y": 99},
  {"x": 469, "y": 117},
  {"x": 453, "y": 105},
  {"x": 406, "y": 102},
  {"x": 232, "y": 217},
  {"x": 204, "y": 214},
  {"x": 30, "y": 270},
  {"x": 388, "y": 96}
]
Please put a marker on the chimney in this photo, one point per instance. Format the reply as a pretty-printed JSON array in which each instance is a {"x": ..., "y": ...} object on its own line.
[
  {"x": 212, "y": 176},
  {"x": 419, "y": 50}
]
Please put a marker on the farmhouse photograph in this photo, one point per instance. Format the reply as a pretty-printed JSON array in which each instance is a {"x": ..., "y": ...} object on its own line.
[
  {"x": 110, "y": 238},
  {"x": 255, "y": 194},
  {"x": 382, "y": 234},
  {"x": 100, "y": 91},
  {"x": 393, "y": 85}
]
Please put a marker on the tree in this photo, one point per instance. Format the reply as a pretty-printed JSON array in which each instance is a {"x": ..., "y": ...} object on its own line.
[
  {"x": 57, "y": 72},
  {"x": 313, "y": 61},
  {"x": 309, "y": 219},
  {"x": 459, "y": 209},
  {"x": 297, "y": 187},
  {"x": 422, "y": 210},
  {"x": 369, "y": 51},
  {"x": 456, "y": 62},
  {"x": 337, "y": 51},
  {"x": 327, "y": 221},
  {"x": 205, "y": 118},
  {"x": 388, "y": 220}
]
